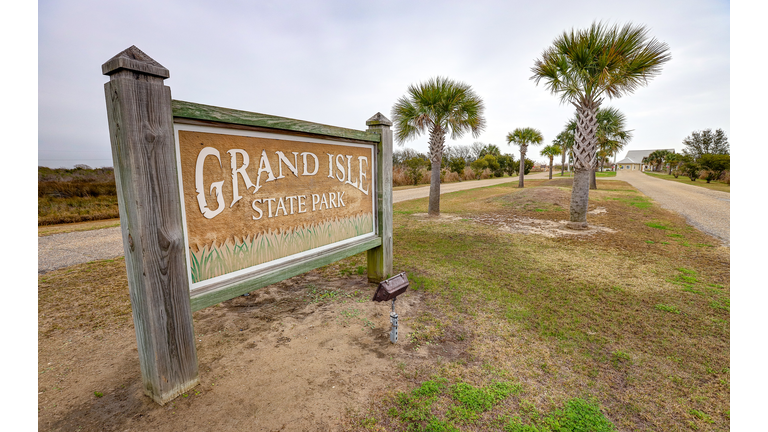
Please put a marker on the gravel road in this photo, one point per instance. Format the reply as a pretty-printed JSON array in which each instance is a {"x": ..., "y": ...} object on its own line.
[
  {"x": 706, "y": 210},
  {"x": 64, "y": 250}
]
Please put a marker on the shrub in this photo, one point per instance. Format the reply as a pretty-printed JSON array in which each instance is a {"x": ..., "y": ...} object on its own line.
[
  {"x": 400, "y": 176},
  {"x": 451, "y": 177},
  {"x": 486, "y": 174},
  {"x": 725, "y": 177},
  {"x": 468, "y": 174}
]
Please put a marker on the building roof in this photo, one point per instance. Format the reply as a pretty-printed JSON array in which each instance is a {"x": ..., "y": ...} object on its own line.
[{"x": 636, "y": 156}]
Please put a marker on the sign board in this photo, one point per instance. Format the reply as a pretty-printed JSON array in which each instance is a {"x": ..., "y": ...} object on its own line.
[
  {"x": 252, "y": 200},
  {"x": 216, "y": 202}
]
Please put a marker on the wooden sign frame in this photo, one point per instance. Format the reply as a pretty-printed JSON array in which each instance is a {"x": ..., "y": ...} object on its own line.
[{"x": 143, "y": 125}]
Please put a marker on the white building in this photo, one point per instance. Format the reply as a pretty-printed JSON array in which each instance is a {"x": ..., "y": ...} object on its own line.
[{"x": 634, "y": 160}]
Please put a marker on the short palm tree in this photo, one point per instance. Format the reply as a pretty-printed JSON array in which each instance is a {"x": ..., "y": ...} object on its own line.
[
  {"x": 523, "y": 137},
  {"x": 551, "y": 151},
  {"x": 437, "y": 106},
  {"x": 583, "y": 67},
  {"x": 612, "y": 136},
  {"x": 565, "y": 140}
]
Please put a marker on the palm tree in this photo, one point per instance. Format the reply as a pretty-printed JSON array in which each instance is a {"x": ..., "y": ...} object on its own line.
[
  {"x": 551, "y": 151},
  {"x": 438, "y": 106},
  {"x": 612, "y": 136},
  {"x": 583, "y": 67},
  {"x": 523, "y": 137},
  {"x": 565, "y": 141}
]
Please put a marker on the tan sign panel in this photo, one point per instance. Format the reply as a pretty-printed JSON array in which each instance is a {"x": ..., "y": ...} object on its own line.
[{"x": 253, "y": 199}]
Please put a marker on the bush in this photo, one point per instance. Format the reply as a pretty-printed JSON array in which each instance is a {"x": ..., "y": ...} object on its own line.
[
  {"x": 468, "y": 174},
  {"x": 487, "y": 162},
  {"x": 486, "y": 174},
  {"x": 400, "y": 176},
  {"x": 457, "y": 164},
  {"x": 725, "y": 177},
  {"x": 451, "y": 177}
]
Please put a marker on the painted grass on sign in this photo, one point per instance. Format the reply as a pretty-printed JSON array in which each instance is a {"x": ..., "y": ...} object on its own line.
[{"x": 212, "y": 261}]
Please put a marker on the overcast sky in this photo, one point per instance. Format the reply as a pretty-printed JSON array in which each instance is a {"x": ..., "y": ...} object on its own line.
[{"x": 340, "y": 62}]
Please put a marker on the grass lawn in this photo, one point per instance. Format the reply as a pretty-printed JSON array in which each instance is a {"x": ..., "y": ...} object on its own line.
[
  {"x": 714, "y": 185},
  {"x": 631, "y": 326},
  {"x": 625, "y": 328}
]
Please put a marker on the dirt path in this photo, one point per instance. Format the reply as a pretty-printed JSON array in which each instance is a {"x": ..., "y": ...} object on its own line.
[
  {"x": 707, "y": 210},
  {"x": 423, "y": 192}
]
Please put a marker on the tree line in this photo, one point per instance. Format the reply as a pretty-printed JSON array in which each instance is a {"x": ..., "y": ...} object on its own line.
[
  {"x": 582, "y": 67},
  {"x": 706, "y": 156}
]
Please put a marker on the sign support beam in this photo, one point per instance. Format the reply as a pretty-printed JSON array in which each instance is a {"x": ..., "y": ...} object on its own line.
[
  {"x": 143, "y": 150},
  {"x": 380, "y": 258}
]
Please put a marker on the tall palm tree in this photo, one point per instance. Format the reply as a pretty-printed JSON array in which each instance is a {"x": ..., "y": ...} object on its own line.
[
  {"x": 523, "y": 137},
  {"x": 551, "y": 151},
  {"x": 583, "y": 67},
  {"x": 438, "y": 106}
]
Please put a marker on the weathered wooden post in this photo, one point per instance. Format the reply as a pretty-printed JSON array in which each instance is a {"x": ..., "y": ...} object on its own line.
[
  {"x": 143, "y": 151},
  {"x": 380, "y": 258}
]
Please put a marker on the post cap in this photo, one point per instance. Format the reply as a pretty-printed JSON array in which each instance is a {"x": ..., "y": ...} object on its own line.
[
  {"x": 134, "y": 59},
  {"x": 378, "y": 119}
]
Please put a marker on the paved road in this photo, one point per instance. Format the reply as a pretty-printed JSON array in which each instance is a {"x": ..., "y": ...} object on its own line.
[{"x": 707, "y": 210}]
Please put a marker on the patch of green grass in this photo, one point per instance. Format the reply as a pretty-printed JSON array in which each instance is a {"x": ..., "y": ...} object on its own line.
[
  {"x": 479, "y": 400},
  {"x": 619, "y": 357},
  {"x": 701, "y": 416},
  {"x": 723, "y": 303},
  {"x": 649, "y": 241},
  {"x": 657, "y": 225},
  {"x": 98, "y": 394},
  {"x": 578, "y": 415},
  {"x": 667, "y": 308},
  {"x": 676, "y": 235}
]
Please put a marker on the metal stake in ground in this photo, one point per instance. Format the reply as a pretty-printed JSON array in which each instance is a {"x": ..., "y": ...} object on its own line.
[{"x": 393, "y": 320}]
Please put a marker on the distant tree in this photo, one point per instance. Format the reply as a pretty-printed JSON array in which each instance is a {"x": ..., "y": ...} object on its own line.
[
  {"x": 457, "y": 164},
  {"x": 476, "y": 148},
  {"x": 491, "y": 150},
  {"x": 705, "y": 142},
  {"x": 565, "y": 140},
  {"x": 674, "y": 160},
  {"x": 714, "y": 164},
  {"x": 413, "y": 166},
  {"x": 488, "y": 161},
  {"x": 528, "y": 166},
  {"x": 691, "y": 168},
  {"x": 523, "y": 137},
  {"x": 438, "y": 106},
  {"x": 82, "y": 167},
  {"x": 506, "y": 164},
  {"x": 551, "y": 151},
  {"x": 463, "y": 151}
]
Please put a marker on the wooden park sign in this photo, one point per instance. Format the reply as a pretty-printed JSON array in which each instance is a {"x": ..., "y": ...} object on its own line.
[{"x": 216, "y": 202}]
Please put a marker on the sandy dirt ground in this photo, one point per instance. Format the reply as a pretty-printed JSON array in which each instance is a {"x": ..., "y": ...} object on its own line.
[{"x": 295, "y": 356}]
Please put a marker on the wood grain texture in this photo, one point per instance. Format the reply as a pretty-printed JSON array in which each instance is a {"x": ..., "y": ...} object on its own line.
[
  {"x": 196, "y": 111},
  {"x": 247, "y": 283},
  {"x": 143, "y": 151},
  {"x": 380, "y": 264}
]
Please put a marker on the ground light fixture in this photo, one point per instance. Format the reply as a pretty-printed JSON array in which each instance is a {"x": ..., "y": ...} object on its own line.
[{"x": 389, "y": 290}]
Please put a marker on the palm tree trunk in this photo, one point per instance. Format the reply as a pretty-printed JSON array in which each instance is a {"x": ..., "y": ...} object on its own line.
[
  {"x": 550, "y": 166},
  {"x": 434, "y": 190},
  {"x": 584, "y": 151},
  {"x": 522, "y": 165},
  {"x": 579, "y": 199},
  {"x": 593, "y": 179},
  {"x": 436, "y": 141},
  {"x": 562, "y": 167}
]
